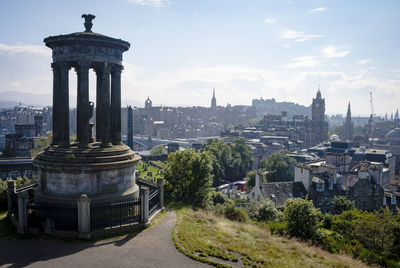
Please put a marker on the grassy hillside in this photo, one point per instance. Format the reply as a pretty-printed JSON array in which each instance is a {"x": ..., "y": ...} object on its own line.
[{"x": 223, "y": 243}]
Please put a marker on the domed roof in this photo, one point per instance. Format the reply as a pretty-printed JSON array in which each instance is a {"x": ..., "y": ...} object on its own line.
[{"x": 394, "y": 133}]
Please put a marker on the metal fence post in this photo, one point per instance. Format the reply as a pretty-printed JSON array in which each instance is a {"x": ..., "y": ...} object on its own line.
[
  {"x": 83, "y": 216},
  {"x": 160, "y": 183},
  {"x": 22, "y": 212},
  {"x": 144, "y": 205},
  {"x": 11, "y": 187}
]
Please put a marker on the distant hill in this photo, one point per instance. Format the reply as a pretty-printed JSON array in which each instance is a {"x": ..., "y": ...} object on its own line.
[{"x": 7, "y": 104}]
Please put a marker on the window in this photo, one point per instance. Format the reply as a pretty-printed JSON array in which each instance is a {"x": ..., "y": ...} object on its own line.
[
  {"x": 384, "y": 201},
  {"x": 393, "y": 201},
  {"x": 330, "y": 184},
  {"x": 320, "y": 186}
]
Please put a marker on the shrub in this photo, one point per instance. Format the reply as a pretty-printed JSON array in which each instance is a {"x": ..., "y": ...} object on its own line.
[
  {"x": 302, "y": 218},
  {"x": 267, "y": 211},
  {"x": 219, "y": 198},
  {"x": 278, "y": 228},
  {"x": 236, "y": 213},
  {"x": 341, "y": 203}
]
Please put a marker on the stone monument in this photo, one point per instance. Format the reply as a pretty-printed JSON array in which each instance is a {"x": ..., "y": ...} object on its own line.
[{"x": 100, "y": 167}]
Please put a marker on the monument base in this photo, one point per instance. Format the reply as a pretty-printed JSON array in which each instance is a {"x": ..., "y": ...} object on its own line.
[{"x": 102, "y": 173}]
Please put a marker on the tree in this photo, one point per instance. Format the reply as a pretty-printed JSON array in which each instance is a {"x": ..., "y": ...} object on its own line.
[
  {"x": 158, "y": 150},
  {"x": 302, "y": 218},
  {"x": 41, "y": 143},
  {"x": 229, "y": 161},
  {"x": 341, "y": 203},
  {"x": 280, "y": 167},
  {"x": 267, "y": 211},
  {"x": 188, "y": 177},
  {"x": 251, "y": 178}
]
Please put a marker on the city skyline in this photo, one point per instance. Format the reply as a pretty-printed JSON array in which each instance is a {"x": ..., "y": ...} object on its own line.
[{"x": 182, "y": 50}]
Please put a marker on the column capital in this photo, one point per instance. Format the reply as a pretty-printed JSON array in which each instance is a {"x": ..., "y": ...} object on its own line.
[
  {"x": 64, "y": 65},
  {"x": 103, "y": 68},
  {"x": 82, "y": 66},
  {"x": 116, "y": 68}
]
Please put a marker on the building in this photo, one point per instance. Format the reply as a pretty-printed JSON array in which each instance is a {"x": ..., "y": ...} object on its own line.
[
  {"x": 213, "y": 100},
  {"x": 318, "y": 128},
  {"x": 348, "y": 126}
]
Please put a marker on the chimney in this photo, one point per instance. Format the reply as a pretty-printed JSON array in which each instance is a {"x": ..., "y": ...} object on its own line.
[{"x": 258, "y": 181}]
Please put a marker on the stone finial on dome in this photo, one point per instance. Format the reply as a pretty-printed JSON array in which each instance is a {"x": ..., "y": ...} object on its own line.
[{"x": 88, "y": 22}]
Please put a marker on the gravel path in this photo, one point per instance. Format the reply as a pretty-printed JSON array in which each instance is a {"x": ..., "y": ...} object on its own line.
[{"x": 150, "y": 248}]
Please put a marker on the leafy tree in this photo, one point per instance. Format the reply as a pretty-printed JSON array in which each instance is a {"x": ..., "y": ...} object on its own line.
[
  {"x": 221, "y": 158},
  {"x": 158, "y": 150},
  {"x": 341, "y": 203},
  {"x": 243, "y": 156},
  {"x": 302, "y": 218},
  {"x": 41, "y": 143},
  {"x": 280, "y": 167},
  {"x": 229, "y": 161},
  {"x": 188, "y": 177},
  {"x": 263, "y": 163},
  {"x": 251, "y": 178}
]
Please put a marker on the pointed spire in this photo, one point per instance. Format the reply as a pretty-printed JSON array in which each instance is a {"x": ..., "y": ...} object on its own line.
[
  {"x": 348, "y": 111},
  {"x": 319, "y": 92},
  {"x": 396, "y": 116}
]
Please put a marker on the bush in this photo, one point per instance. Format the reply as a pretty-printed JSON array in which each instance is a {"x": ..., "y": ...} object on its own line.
[
  {"x": 236, "y": 213},
  {"x": 219, "y": 198},
  {"x": 302, "y": 218},
  {"x": 267, "y": 211},
  {"x": 341, "y": 203},
  {"x": 329, "y": 240},
  {"x": 278, "y": 228}
]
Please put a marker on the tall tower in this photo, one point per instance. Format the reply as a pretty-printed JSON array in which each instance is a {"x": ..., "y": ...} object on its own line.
[
  {"x": 130, "y": 127},
  {"x": 213, "y": 100},
  {"x": 348, "y": 125},
  {"x": 319, "y": 128}
]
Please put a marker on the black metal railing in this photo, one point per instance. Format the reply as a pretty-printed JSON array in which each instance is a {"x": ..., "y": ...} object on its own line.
[
  {"x": 113, "y": 214},
  {"x": 154, "y": 201},
  {"x": 63, "y": 215}
]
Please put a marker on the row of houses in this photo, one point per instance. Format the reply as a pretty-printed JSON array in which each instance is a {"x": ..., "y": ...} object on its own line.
[{"x": 365, "y": 176}]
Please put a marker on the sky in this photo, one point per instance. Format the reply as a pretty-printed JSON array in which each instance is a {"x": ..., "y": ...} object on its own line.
[{"x": 245, "y": 49}]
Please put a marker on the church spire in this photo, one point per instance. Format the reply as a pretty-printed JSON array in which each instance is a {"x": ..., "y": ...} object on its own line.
[
  {"x": 213, "y": 100},
  {"x": 348, "y": 111}
]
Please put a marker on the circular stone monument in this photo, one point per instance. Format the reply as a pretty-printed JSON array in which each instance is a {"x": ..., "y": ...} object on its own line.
[{"x": 100, "y": 167}]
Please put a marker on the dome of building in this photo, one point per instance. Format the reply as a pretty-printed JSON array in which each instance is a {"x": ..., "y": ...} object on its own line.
[
  {"x": 393, "y": 134},
  {"x": 334, "y": 137}
]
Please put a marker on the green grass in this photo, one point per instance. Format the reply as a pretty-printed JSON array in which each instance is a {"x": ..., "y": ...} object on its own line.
[
  {"x": 7, "y": 230},
  {"x": 220, "y": 242},
  {"x": 144, "y": 168}
]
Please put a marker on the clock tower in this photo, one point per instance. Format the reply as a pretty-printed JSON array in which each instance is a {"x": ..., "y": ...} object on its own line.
[{"x": 319, "y": 128}]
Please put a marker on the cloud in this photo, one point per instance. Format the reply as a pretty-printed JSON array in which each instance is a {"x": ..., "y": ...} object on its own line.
[
  {"x": 305, "y": 61},
  {"x": 332, "y": 52},
  {"x": 153, "y": 3},
  {"x": 269, "y": 21},
  {"x": 364, "y": 61},
  {"x": 286, "y": 45},
  {"x": 298, "y": 36},
  {"x": 25, "y": 49},
  {"x": 317, "y": 10}
]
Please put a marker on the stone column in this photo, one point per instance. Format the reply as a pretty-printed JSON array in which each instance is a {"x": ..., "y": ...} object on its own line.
[
  {"x": 82, "y": 128},
  {"x": 160, "y": 184},
  {"x": 22, "y": 212},
  {"x": 103, "y": 117},
  {"x": 56, "y": 100},
  {"x": 116, "y": 104},
  {"x": 84, "y": 216},
  {"x": 144, "y": 205},
  {"x": 63, "y": 104}
]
